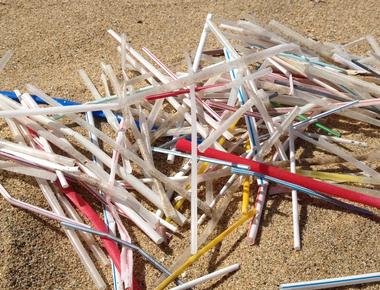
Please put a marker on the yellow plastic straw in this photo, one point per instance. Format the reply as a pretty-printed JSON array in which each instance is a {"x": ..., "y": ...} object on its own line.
[
  {"x": 246, "y": 190},
  {"x": 246, "y": 187},
  {"x": 338, "y": 177},
  {"x": 192, "y": 259}
]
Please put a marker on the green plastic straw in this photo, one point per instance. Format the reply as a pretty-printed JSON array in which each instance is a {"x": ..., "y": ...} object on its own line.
[
  {"x": 320, "y": 126},
  {"x": 316, "y": 124}
]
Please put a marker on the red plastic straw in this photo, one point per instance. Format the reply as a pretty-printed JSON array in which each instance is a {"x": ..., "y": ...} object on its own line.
[{"x": 329, "y": 189}]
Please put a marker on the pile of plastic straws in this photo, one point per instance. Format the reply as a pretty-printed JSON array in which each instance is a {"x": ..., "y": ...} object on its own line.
[{"x": 231, "y": 117}]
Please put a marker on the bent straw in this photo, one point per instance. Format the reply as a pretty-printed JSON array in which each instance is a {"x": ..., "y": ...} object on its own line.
[
  {"x": 124, "y": 243},
  {"x": 205, "y": 249},
  {"x": 82, "y": 253},
  {"x": 334, "y": 282},
  {"x": 88, "y": 239},
  {"x": 279, "y": 173},
  {"x": 108, "y": 218},
  {"x": 320, "y": 126},
  {"x": 89, "y": 212},
  {"x": 207, "y": 277},
  {"x": 324, "y": 114},
  {"x": 54, "y": 204}
]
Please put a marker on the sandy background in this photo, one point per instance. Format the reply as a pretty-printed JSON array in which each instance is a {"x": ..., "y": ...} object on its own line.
[{"x": 53, "y": 39}]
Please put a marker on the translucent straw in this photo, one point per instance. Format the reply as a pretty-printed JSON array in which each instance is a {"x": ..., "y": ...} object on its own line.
[
  {"x": 64, "y": 160},
  {"x": 26, "y": 170},
  {"x": 45, "y": 144},
  {"x": 202, "y": 41},
  {"x": 4, "y": 59}
]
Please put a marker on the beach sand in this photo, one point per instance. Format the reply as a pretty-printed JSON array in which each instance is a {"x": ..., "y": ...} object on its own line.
[{"x": 52, "y": 40}]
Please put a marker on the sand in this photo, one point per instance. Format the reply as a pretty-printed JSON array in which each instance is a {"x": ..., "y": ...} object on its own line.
[{"x": 53, "y": 39}]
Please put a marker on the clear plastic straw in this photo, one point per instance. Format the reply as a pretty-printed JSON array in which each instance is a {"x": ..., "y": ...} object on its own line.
[{"x": 4, "y": 59}]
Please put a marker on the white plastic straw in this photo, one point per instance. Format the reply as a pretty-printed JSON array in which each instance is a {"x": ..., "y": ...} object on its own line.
[
  {"x": 296, "y": 227},
  {"x": 207, "y": 277},
  {"x": 194, "y": 173}
]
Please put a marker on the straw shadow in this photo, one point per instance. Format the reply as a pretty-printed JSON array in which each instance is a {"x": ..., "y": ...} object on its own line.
[
  {"x": 273, "y": 209},
  {"x": 349, "y": 125},
  {"x": 268, "y": 214},
  {"x": 303, "y": 218},
  {"x": 223, "y": 224},
  {"x": 220, "y": 281},
  {"x": 46, "y": 223},
  {"x": 359, "y": 286},
  {"x": 214, "y": 262},
  {"x": 307, "y": 201},
  {"x": 139, "y": 264}
]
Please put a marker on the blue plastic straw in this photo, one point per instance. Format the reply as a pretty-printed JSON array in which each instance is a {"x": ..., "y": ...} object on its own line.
[
  {"x": 309, "y": 192},
  {"x": 63, "y": 102},
  {"x": 334, "y": 282},
  {"x": 243, "y": 99}
]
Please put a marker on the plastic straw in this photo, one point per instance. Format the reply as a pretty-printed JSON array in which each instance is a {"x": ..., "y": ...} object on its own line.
[
  {"x": 207, "y": 277},
  {"x": 4, "y": 59},
  {"x": 286, "y": 176},
  {"x": 296, "y": 227},
  {"x": 334, "y": 282},
  {"x": 194, "y": 173},
  {"x": 106, "y": 235}
]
